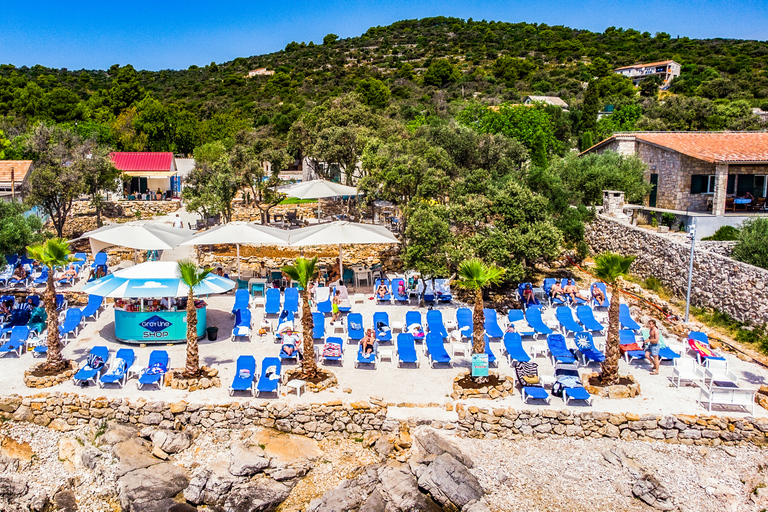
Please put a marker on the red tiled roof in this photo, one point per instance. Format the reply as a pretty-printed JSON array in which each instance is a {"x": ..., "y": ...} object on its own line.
[
  {"x": 143, "y": 161},
  {"x": 707, "y": 146},
  {"x": 645, "y": 65},
  {"x": 20, "y": 170}
]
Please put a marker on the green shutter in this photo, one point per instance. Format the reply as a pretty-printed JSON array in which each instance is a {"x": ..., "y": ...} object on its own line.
[
  {"x": 698, "y": 183},
  {"x": 731, "y": 183}
]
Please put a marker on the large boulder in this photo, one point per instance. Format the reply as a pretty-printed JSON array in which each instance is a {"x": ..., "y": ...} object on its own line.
[
  {"x": 132, "y": 455},
  {"x": 650, "y": 489},
  {"x": 12, "y": 486},
  {"x": 399, "y": 486},
  {"x": 247, "y": 461},
  {"x": 171, "y": 441},
  {"x": 430, "y": 444},
  {"x": 116, "y": 433},
  {"x": 349, "y": 494},
  {"x": 450, "y": 483},
  {"x": 260, "y": 494},
  {"x": 150, "y": 489}
]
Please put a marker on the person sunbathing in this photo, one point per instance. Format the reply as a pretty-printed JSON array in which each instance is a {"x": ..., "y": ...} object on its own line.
[
  {"x": 368, "y": 342},
  {"x": 557, "y": 292},
  {"x": 528, "y": 296},
  {"x": 382, "y": 291},
  {"x": 67, "y": 276},
  {"x": 19, "y": 273},
  {"x": 597, "y": 294},
  {"x": 401, "y": 288},
  {"x": 573, "y": 292}
]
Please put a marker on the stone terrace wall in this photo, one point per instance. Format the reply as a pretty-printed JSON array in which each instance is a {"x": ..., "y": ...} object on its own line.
[
  {"x": 62, "y": 411},
  {"x": 719, "y": 282},
  {"x": 721, "y": 248},
  {"x": 117, "y": 209}
]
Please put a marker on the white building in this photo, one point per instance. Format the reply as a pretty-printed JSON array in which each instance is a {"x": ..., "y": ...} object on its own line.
[{"x": 667, "y": 70}]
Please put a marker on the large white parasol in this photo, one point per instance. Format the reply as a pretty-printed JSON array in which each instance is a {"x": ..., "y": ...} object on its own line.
[
  {"x": 318, "y": 189},
  {"x": 144, "y": 236}
]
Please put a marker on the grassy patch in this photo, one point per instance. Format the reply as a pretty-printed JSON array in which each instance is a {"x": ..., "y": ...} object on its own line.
[
  {"x": 739, "y": 331},
  {"x": 100, "y": 431},
  {"x": 296, "y": 200}
]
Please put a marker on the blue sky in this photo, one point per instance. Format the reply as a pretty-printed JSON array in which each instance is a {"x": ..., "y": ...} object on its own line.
[{"x": 171, "y": 34}]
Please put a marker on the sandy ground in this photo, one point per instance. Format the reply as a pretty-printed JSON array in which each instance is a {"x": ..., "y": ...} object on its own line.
[{"x": 387, "y": 381}]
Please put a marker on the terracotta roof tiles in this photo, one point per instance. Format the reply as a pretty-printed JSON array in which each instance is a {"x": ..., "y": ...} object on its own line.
[{"x": 20, "y": 170}]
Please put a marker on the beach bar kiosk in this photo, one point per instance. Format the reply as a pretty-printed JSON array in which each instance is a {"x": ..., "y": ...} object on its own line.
[{"x": 151, "y": 302}]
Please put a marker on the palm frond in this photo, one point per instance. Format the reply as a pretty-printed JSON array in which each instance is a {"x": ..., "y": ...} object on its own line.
[
  {"x": 610, "y": 266},
  {"x": 190, "y": 274},
  {"x": 302, "y": 271},
  {"x": 474, "y": 274},
  {"x": 51, "y": 253}
]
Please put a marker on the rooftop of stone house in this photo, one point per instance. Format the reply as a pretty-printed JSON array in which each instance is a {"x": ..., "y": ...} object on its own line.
[{"x": 713, "y": 147}]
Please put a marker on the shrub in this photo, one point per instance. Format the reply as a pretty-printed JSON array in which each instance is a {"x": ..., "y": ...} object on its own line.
[
  {"x": 752, "y": 247},
  {"x": 667, "y": 219},
  {"x": 724, "y": 234}
]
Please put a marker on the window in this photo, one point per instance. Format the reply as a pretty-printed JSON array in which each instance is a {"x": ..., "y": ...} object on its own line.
[
  {"x": 702, "y": 184},
  {"x": 710, "y": 184}
]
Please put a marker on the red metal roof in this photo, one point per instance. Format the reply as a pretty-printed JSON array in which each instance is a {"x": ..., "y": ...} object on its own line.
[{"x": 126, "y": 162}]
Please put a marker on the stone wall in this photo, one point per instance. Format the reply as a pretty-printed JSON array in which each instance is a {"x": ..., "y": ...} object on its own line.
[
  {"x": 721, "y": 248},
  {"x": 719, "y": 282},
  {"x": 63, "y": 411},
  {"x": 127, "y": 209}
]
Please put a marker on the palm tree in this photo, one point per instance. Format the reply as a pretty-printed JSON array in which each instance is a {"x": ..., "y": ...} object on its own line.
[
  {"x": 303, "y": 271},
  {"x": 611, "y": 267},
  {"x": 53, "y": 253},
  {"x": 192, "y": 276},
  {"x": 476, "y": 275}
]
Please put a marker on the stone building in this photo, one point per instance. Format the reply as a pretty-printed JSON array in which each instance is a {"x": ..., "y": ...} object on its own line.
[
  {"x": 697, "y": 171},
  {"x": 666, "y": 70}
]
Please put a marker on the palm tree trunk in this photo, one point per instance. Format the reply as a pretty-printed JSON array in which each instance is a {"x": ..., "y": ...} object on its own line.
[
  {"x": 193, "y": 355},
  {"x": 478, "y": 322},
  {"x": 309, "y": 366},
  {"x": 610, "y": 367},
  {"x": 54, "y": 360}
]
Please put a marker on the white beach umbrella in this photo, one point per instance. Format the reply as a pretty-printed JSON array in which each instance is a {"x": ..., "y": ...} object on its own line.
[
  {"x": 144, "y": 236},
  {"x": 240, "y": 233},
  {"x": 153, "y": 279},
  {"x": 341, "y": 232},
  {"x": 318, "y": 189}
]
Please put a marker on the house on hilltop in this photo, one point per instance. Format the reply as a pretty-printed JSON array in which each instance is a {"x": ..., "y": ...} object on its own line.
[
  {"x": 667, "y": 70},
  {"x": 705, "y": 173},
  {"x": 148, "y": 173},
  {"x": 13, "y": 174},
  {"x": 260, "y": 72},
  {"x": 549, "y": 100}
]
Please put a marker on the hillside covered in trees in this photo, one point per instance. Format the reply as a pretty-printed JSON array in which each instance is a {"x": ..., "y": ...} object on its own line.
[{"x": 412, "y": 72}]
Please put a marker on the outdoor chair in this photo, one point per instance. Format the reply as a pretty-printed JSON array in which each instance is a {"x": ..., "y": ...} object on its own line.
[
  {"x": 17, "y": 342},
  {"x": 404, "y": 298},
  {"x": 414, "y": 325},
  {"x": 489, "y": 352},
  {"x": 513, "y": 348},
  {"x": 406, "y": 351},
  {"x": 520, "y": 291},
  {"x": 717, "y": 373},
  {"x": 245, "y": 375},
  {"x": 272, "y": 301},
  {"x": 155, "y": 370},
  {"x": 387, "y": 297},
  {"x": 629, "y": 347},
  {"x": 318, "y": 330},
  {"x": 602, "y": 288},
  {"x": 18, "y": 317},
  {"x": 91, "y": 310},
  {"x": 200, "y": 225},
  {"x": 291, "y": 300},
  {"x": 381, "y": 327},
  {"x": 355, "y": 329},
  {"x": 118, "y": 369},
  {"x": 323, "y": 299},
  {"x": 465, "y": 322},
  {"x": 686, "y": 369},
  {"x": 516, "y": 319},
  {"x": 435, "y": 350},
  {"x": 93, "y": 366},
  {"x": 271, "y": 373},
  {"x": 568, "y": 381},
  {"x": 71, "y": 325},
  {"x": 242, "y": 327},
  {"x": 369, "y": 359},
  {"x": 435, "y": 323},
  {"x": 6, "y": 275},
  {"x": 665, "y": 352},
  {"x": 527, "y": 375},
  {"x": 42, "y": 278},
  {"x": 345, "y": 306},
  {"x": 491, "y": 324},
  {"x": 699, "y": 344},
  {"x": 586, "y": 347},
  {"x": 553, "y": 301},
  {"x": 533, "y": 317},
  {"x": 567, "y": 323},
  {"x": 587, "y": 319},
  {"x": 333, "y": 350},
  {"x": 576, "y": 301},
  {"x": 625, "y": 319},
  {"x": 558, "y": 350}
]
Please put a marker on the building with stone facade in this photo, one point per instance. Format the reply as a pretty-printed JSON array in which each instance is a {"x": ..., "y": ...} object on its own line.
[
  {"x": 666, "y": 70},
  {"x": 697, "y": 171}
]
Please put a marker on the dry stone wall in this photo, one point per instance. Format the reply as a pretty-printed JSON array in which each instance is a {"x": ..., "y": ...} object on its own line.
[
  {"x": 65, "y": 411},
  {"x": 719, "y": 282},
  {"x": 128, "y": 209}
]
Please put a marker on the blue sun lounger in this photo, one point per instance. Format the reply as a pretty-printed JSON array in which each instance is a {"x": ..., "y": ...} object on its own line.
[
  {"x": 99, "y": 260},
  {"x": 571, "y": 385},
  {"x": 567, "y": 323},
  {"x": 414, "y": 318},
  {"x": 245, "y": 375},
  {"x": 355, "y": 328},
  {"x": 628, "y": 345},
  {"x": 93, "y": 307},
  {"x": 517, "y": 315},
  {"x": 577, "y": 301},
  {"x": 318, "y": 326},
  {"x": 291, "y": 300},
  {"x": 465, "y": 322},
  {"x": 547, "y": 285},
  {"x": 435, "y": 323},
  {"x": 665, "y": 353},
  {"x": 72, "y": 319},
  {"x": 587, "y": 349},
  {"x": 42, "y": 278},
  {"x": 363, "y": 359},
  {"x": 587, "y": 319},
  {"x": 325, "y": 356},
  {"x": 406, "y": 351},
  {"x": 532, "y": 387},
  {"x": 242, "y": 300},
  {"x": 520, "y": 290},
  {"x": 272, "y": 301},
  {"x": 558, "y": 350},
  {"x": 18, "y": 317},
  {"x": 155, "y": 370},
  {"x": 436, "y": 350},
  {"x": 625, "y": 319},
  {"x": 606, "y": 302},
  {"x": 118, "y": 370},
  {"x": 533, "y": 316},
  {"x": 79, "y": 261},
  {"x": 513, "y": 347},
  {"x": 93, "y": 366},
  {"x": 381, "y": 326},
  {"x": 17, "y": 341},
  {"x": 489, "y": 352},
  {"x": 401, "y": 299},
  {"x": 491, "y": 324},
  {"x": 387, "y": 297},
  {"x": 242, "y": 327},
  {"x": 269, "y": 382}
]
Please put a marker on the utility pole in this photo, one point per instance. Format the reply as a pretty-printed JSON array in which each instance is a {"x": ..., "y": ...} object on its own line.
[{"x": 692, "y": 235}]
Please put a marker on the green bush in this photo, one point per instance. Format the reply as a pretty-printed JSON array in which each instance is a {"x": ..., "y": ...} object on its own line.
[
  {"x": 654, "y": 285},
  {"x": 724, "y": 234},
  {"x": 752, "y": 247},
  {"x": 667, "y": 219}
]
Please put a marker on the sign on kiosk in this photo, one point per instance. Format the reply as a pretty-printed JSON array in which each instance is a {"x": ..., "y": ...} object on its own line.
[
  {"x": 155, "y": 327},
  {"x": 479, "y": 365}
]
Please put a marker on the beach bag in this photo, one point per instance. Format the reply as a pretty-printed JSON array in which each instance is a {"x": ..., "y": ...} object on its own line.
[
  {"x": 245, "y": 373},
  {"x": 94, "y": 361},
  {"x": 332, "y": 350}
]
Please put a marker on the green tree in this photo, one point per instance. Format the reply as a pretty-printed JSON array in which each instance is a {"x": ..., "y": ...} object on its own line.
[
  {"x": 126, "y": 89},
  {"x": 53, "y": 253},
  {"x": 475, "y": 275},
  {"x": 531, "y": 126},
  {"x": 511, "y": 69},
  {"x": 649, "y": 87},
  {"x": 304, "y": 271},
  {"x": 17, "y": 230},
  {"x": 752, "y": 246},
  {"x": 192, "y": 276},
  {"x": 429, "y": 242},
  {"x": 611, "y": 268},
  {"x": 373, "y": 92},
  {"x": 99, "y": 174},
  {"x": 590, "y": 108},
  {"x": 329, "y": 39},
  {"x": 4, "y": 144},
  {"x": 441, "y": 73}
]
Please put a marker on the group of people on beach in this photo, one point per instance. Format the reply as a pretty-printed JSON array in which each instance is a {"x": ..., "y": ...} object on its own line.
[{"x": 563, "y": 293}]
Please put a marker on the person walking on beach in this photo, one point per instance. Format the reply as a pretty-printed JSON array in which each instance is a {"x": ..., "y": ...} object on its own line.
[
  {"x": 652, "y": 346},
  {"x": 177, "y": 222},
  {"x": 335, "y": 306}
]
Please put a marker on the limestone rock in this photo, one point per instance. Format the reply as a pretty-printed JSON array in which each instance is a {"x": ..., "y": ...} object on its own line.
[
  {"x": 150, "y": 488},
  {"x": 116, "y": 433},
  {"x": 349, "y": 494},
  {"x": 12, "y": 485},
  {"x": 436, "y": 444},
  {"x": 399, "y": 487},
  {"x": 133, "y": 455},
  {"x": 650, "y": 489},
  {"x": 247, "y": 461},
  {"x": 65, "y": 501},
  {"x": 450, "y": 483},
  {"x": 260, "y": 494},
  {"x": 171, "y": 441}
]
